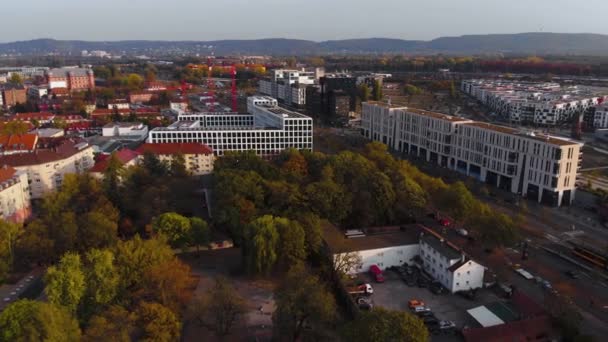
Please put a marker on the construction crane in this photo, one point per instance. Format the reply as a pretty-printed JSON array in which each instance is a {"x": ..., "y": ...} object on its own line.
[
  {"x": 210, "y": 86},
  {"x": 233, "y": 88}
]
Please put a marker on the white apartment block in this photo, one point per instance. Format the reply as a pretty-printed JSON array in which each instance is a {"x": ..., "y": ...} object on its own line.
[
  {"x": 448, "y": 265},
  {"x": 289, "y": 85},
  {"x": 15, "y": 203},
  {"x": 47, "y": 167},
  {"x": 267, "y": 129},
  {"x": 538, "y": 103},
  {"x": 600, "y": 117},
  {"x": 536, "y": 166}
]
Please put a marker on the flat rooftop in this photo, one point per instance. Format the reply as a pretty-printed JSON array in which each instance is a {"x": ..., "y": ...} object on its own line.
[
  {"x": 560, "y": 141},
  {"x": 283, "y": 112},
  {"x": 374, "y": 239}
]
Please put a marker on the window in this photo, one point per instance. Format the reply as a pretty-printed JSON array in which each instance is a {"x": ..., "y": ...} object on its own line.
[
  {"x": 457, "y": 284},
  {"x": 468, "y": 272}
]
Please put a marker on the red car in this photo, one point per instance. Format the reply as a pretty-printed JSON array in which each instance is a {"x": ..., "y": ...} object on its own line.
[
  {"x": 444, "y": 222},
  {"x": 376, "y": 273}
]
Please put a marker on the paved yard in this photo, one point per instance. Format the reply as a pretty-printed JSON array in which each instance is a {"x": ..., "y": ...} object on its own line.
[{"x": 394, "y": 294}]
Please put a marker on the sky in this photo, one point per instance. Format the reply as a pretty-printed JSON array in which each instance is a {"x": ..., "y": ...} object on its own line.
[{"x": 316, "y": 20}]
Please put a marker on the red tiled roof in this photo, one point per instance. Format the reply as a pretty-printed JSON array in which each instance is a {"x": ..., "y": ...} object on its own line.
[
  {"x": 175, "y": 148},
  {"x": 533, "y": 329},
  {"x": 31, "y": 116},
  {"x": 6, "y": 173},
  {"x": 124, "y": 155},
  {"x": 18, "y": 142}
]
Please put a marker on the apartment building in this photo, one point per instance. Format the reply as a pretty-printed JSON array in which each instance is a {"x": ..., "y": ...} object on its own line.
[
  {"x": 542, "y": 103},
  {"x": 199, "y": 158},
  {"x": 600, "y": 116},
  {"x": 72, "y": 79},
  {"x": 17, "y": 143},
  {"x": 15, "y": 203},
  {"x": 534, "y": 165},
  {"x": 267, "y": 129},
  {"x": 13, "y": 95},
  {"x": 53, "y": 159},
  {"x": 289, "y": 85},
  {"x": 24, "y": 72}
]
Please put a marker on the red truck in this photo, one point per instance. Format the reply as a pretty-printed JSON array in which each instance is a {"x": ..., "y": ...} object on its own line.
[{"x": 376, "y": 273}]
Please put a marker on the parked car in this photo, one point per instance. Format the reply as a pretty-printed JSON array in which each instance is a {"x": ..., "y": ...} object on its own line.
[
  {"x": 363, "y": 289},
  {"x": 437, "y": 288},
  {"x": 547, "y": 285},
  {"x": 414, "y": 303},
  {"x": 444, "y": 222},
  {"x": 418, "y": 309},
  {"x": 462, "y": 232},
  {"x": 376, "y": 273},
  {"x": 573, "y": 274}
]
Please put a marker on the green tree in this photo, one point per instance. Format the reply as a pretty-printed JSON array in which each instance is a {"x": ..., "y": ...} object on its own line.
[
  {"x": 458, "y": 201},
  {"x": 301, "y": 300},
  {"x": 292, "y": 242},
  {"x": 27, "y": 320},
  {"x": 178, "y": 166},
  {"x": 411, "y": 90},
  {"x": 15, "y": 79},
  {"x": 133, "y": 82},
  {"x": 157, "y": 323},
  {"x": 65, "y": 283},
  {"x": 154, "y": 166},
  {"x": 174, "y": 226},
  {"x": 134, "y": 258},
  {"x": 382, "y": 325},
  {"x": 113, "y": 324},
  {"x": 262, "y": 240},
  {"x": 101, "y": 277},
  {"x": 200, "y": 234},
  {"x": 9, "y": 233},
  {"x": 15, "y": 127},
  {"x": 313, "y": 231},
  {"x": 111, "y": 178},
  {"x": 219, "y": 309},
  {"x": 364, "y": 93},
  {"x": 377, "y": 90}
]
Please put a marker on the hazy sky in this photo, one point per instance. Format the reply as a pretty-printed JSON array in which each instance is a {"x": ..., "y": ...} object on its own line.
[{"x": 305, "y": 19}]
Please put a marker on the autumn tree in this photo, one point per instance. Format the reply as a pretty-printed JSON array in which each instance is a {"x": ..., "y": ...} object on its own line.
[
  {"x": 15, "y": 79},
  {"x": 9, "y": 233},
  {"x": 65, "y": 283},
  {"x": 168, "y": 284},
  {"x": 219, "y": 309},
  {"x": 382, "y": 325},
  {"x": 101, "y": 278},
  {"x": 302, "y": 300},
  {"x": 28, "y": 320},
  {"x": 364, "y": 93},
  {"x": 157, "y": 323},
  {"x": 113, "y": 324}
]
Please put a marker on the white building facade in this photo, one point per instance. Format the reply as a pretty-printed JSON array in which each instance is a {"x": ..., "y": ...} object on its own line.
[
  {"x": 268, "y": 129},
  {"x": 600, "y": 117},
  {"x": 452, "y": 268},
  {"x": 540, "y": 167},
  {"x": 15, "y": 205}
]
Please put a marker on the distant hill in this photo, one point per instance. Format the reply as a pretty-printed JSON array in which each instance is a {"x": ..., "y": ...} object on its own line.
[{"x": 521, "y": 43}]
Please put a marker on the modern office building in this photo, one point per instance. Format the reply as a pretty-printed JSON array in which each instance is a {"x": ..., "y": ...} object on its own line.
[
  {"x": 543, "y": 103},
  {"x": 534, "y": 165},
  {"x": 267, "y": 129},
  {"x": 600, "y": 116}
]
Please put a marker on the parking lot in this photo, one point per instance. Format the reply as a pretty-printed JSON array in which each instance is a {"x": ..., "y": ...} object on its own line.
[{"x": 394, "y": 294}]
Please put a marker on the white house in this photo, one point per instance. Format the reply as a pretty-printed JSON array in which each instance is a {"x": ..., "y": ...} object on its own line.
[{"x": 448, "y": 265}]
